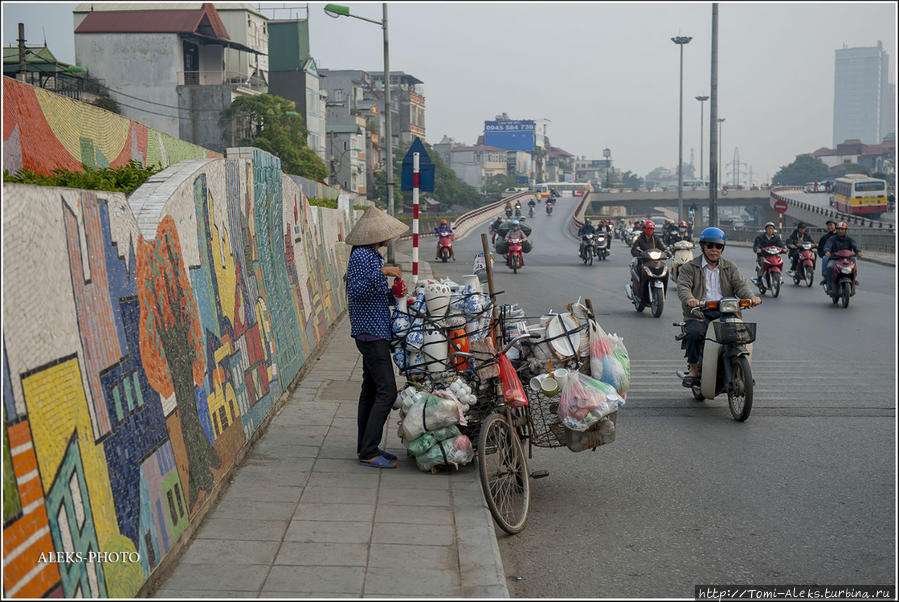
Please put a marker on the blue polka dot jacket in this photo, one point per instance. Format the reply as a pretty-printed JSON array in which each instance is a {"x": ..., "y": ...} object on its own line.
[{"x": 368, "y": 295}]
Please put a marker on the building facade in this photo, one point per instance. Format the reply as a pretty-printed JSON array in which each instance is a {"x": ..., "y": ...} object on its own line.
[
  {"x": 408, "y": 106},
  {"x": 475, "y": 164},
  {"x": 862, "y": 102},
  {"x": 166, "y": 68}
]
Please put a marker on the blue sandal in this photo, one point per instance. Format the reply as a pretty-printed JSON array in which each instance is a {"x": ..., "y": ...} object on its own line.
[
  {"x": 386, "y": 454},
  {"x": 379, "y": 462}
]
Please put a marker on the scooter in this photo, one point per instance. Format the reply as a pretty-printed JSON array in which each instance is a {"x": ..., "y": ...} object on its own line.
[
  {"x": 683, "y": 252},
  {"x": 588, "y": 248},
  {"x": 514, "y": 256},
  {"x": 805, "y": 265},
  {"x": 445, "y": 246},
  {"x": 517, "y": 210},
  {"x": 632, "y": 236},
  {"x": 602, "y": 245},
  {"x": 649, "y": 285},
  {"x": 841, "y": 278},
  {"x": 726, "y": 364},
  {"x": 530, "y": 211},
  {"x": 772, "y": 267},
  {"x": 549, "y": 207},
  {"x": 508, "y": 212}
]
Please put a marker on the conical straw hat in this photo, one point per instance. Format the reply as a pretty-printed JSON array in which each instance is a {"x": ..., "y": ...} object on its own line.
[{"x": 375, "y": 226}]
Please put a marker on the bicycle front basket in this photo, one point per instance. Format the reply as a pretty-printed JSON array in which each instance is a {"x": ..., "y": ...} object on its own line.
[{"x": 734, "y": 333}]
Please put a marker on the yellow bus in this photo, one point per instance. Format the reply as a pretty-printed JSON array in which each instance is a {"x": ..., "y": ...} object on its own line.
[{"x": 857, "y": 194}]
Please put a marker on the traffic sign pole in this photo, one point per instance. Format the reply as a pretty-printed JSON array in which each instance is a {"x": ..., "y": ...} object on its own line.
[{"x": 415, "y": 182}]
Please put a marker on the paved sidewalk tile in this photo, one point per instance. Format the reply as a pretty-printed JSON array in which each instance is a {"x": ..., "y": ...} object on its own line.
[
  {"x": 211, "y": 577},
  {"x": 345, "y": 495},
  {"x": 229, "y": 552},
  {"x": 335, "y": 512},
  {"x": 236, "y": 507},
  {"x": 242, "y": 529},
  {"x": 422, "y": 515},
  {"x": 323, "y": 554},
  {"x": 331, "y": 579},
  {"x": 398, "y": 533},
  {"x": 414, "y": 556},
  {"x": 415, "y": 582},
  {"x": 320, "y": 531}
]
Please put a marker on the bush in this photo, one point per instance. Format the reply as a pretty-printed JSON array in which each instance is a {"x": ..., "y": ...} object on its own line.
[
  {"x": 126, "y": 178},
  {"x": 316, "y": 202}
]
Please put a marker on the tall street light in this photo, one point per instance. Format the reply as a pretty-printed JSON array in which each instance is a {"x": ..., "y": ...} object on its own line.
[
  {"x": 720, "y": 148},
  {"x": 681, "y": 41},
  {"x": 335, "y": 11},
  {"x": 701, "y": 100}
]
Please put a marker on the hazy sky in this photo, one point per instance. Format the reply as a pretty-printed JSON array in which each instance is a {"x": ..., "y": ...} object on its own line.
[{"x": 603, "y": 74}]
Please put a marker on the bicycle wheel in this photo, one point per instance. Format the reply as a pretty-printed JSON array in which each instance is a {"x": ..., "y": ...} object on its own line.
[{"x": 504, "y": 474}]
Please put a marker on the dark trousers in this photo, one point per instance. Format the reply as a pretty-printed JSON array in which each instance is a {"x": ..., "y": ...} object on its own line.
[
  {"x": 695, "y": 338},
  {"x": 377, "y": 397}
]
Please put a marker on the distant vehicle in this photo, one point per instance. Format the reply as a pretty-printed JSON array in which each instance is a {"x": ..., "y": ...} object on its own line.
[
  {"x": 857, "y": 194},
  {"x": 822, "y": 186}
]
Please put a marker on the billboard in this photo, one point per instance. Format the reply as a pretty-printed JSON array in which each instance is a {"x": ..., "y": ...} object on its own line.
[{"x": 510, "y": 135}]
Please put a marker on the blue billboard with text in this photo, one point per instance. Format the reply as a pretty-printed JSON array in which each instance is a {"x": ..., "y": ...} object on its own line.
[{"x": 510, "y": 135}]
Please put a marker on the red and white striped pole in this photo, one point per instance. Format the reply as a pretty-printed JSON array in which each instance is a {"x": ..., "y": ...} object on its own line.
[{"x": 414, "y": 219}]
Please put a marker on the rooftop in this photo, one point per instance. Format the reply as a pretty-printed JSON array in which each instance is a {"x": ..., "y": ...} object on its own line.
[{"x": 203, "y": 22}]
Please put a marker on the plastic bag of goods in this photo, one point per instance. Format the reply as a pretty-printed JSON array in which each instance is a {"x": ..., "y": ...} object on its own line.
[
  {"x": 502, "y": 247},
  {"x": 620, "y": 353},
  {"x": 456, "y": 450},
  {"x": 527, "y": 245},
  {"x": 513, "y": 392},
  {"x": 605, "y": 365},
  {"x": 431, "y": 413},
  {"x": 585, "y": 401},
  {"x": 599, "y": 434}
]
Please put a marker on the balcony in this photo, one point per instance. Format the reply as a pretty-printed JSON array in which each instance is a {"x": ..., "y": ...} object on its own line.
[
  {"x": 416, "y": 98},
  {"x": 220, "y": 78}
]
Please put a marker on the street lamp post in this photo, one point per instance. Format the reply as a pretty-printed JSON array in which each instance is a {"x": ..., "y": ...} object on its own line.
[
  {"x": 681, "y": 41},
  {"x": 720, "y": 148},
  {"x": 701, "y": 100},
  {"x": 337, "y": 10}
]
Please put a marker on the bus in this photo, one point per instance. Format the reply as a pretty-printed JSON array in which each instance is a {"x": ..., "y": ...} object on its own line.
[
  {"x": 857, "y": 194},
  {"x": 571, "y": 188}
]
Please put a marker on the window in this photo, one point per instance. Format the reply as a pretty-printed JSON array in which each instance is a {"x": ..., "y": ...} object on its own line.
[
  {"x": 178, "y": 496},
  {"x": 140, "y": 394},
  {"x": 151, "y": 553},
  {"x": 120, "y": 415},
  {"x": 168, "y": 494},
  {"x": 127, "y": 384},
  {"x": 77, "y": 500},
  {"x": 223, "y": 417}
]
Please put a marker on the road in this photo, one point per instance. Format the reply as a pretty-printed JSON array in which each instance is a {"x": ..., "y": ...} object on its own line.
[
  {"x": 822, "y": 199},
  {"x": 803, "y": 492}
]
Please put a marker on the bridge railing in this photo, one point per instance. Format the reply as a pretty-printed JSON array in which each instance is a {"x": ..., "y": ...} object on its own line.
[
  {"x": 778, "y": 195},
  {"x": 467, "y": 221}
]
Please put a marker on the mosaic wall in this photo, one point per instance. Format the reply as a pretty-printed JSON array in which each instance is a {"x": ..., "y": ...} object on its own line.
[
  {"x": 138, "y": 363},
  {"x": 43, "y": 130}
]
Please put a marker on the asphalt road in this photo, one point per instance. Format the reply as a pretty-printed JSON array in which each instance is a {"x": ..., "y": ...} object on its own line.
[{"x": 803, "y": 492}]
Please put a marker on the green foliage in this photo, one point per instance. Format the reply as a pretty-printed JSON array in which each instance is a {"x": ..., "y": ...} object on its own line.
[
  {"x": 631, "y": 180},
  {"x": 126, "y": 178},
  {"x": 801, "y": 171},
  {"x": 108, "y": 103},
  {"x": 315, "y": 202},
  {"x": 499, "y": 182},
  {"x": 263, "y": 121}
]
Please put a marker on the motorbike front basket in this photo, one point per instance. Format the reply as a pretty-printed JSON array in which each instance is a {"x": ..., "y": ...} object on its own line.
[{"x": 734, "y": 333}]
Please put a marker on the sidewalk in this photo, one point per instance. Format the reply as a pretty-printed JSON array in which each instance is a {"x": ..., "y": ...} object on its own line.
[{"x": 301, "y": 517}]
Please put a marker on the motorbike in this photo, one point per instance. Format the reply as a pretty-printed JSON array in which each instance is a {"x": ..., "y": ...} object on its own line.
[
  {"x": 632, "y": 236},
  {"x": 531, "y": 211},
  {"x": 683, "y": 252},
  {"x": 805, "y": 265},
  {"x": 602, "y": 245},
  {"x": 772, "y": 267},
  {"x": 726, "y": 364},
  {"x": 508, "y": 212},
  {"x": 620, "y": 233},
  {"x": 549, "y": 207},
  {"x": 841, "y": 277},
  {"x": 588, "y": 248},
  {"x": 514, "y": 256},
  {"x": 517, "y": 210},
  {"x": 444, "y": 246},
  {"x": 649, "y": 282}
]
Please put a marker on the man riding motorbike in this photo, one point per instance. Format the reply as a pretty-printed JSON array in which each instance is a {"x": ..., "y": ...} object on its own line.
[
  {"x": 531, "y": 205},
  {"x": 508, "y": 209},
  {"x": 516, "y": 232},
  {"x": 648, "y": 240},
  {"x": 494, "y": 228},
  {"x": 707, "y": 278},
  {"x": 444, "y": 229},
  {"x": 822, "y": 243},
  {"x": 517, "y": 208},
  {"x": 797, "y": 237},
  {"x": 680, "y": 234},
  {"x": 670, "y": 232},
  {"x": 840, "y": 242},
  {"x": 587, "y": 228},
  {"x": 768, "y": 238}
]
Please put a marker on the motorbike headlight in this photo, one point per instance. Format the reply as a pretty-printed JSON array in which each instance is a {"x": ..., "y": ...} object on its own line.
[
  {"x": 729, "y": 306},
  {"x": 654, "y": 255},
  {"x": 846, "y": 269}
]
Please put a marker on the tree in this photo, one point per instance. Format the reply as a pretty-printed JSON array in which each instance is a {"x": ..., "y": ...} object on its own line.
[
  {"x": 499, "y": 182},
  {"x": 801, "y": 171},
  {"x": 631, "y": 180},
  {"x": 270, "y": 123},
  {"x": 171, "y": 344}
]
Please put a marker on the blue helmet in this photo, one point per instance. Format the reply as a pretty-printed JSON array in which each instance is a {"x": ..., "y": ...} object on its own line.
[
  {"x": 516, "y": 223},
  {"x": 712, "y": 235}
]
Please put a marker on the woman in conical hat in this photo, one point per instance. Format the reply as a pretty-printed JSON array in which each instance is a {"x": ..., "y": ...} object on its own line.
[{"x": 368, "y": 300}]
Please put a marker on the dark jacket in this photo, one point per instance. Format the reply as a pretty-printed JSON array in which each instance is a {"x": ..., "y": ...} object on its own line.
[
  {"x": 762, "y": 241},
  {"x": 795, "y": 239},
  {"x": 646, "y": 243},
  {"x": 834, "y": 244},
  {"x": 822, "y": 242},
  {"x": 586, "y": 229},
  {"x": 368, "y": 294},
  {"x": 691, "y": 283}
]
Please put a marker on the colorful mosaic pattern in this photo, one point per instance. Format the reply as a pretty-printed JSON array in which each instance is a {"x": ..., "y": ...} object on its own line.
[
  {"x": 132, "y": 386},
  {"x": 43, "y": 131}
]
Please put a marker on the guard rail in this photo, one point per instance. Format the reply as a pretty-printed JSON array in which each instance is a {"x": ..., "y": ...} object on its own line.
[
  {"x": 828, "y": 213},
  {"x": 475, "y": 217}
]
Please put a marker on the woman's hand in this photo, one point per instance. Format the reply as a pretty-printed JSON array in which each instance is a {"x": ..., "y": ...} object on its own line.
[{"x": 392, "y": 271}]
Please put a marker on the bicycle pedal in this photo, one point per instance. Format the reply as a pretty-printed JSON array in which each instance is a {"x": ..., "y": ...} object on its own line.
[{"x": 539, "y": 474}]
